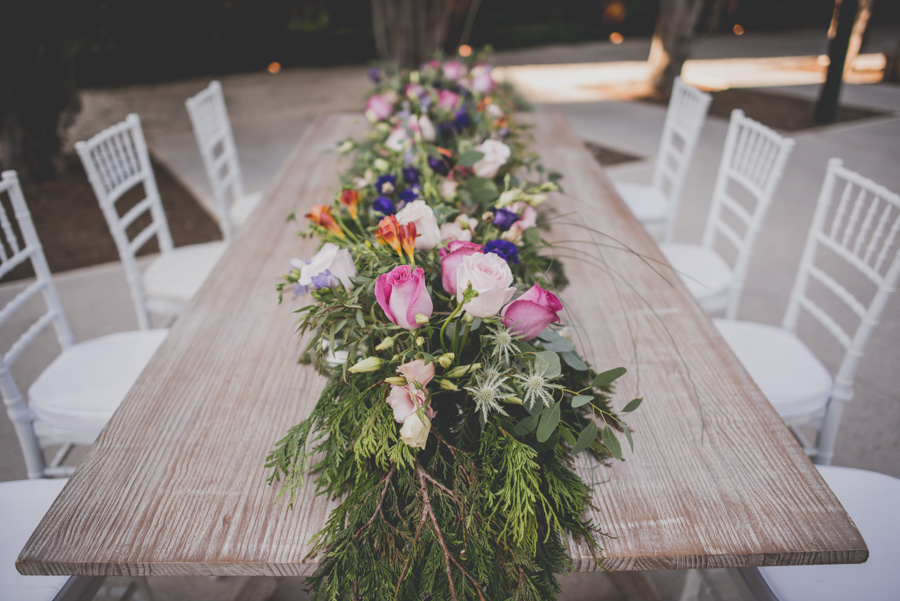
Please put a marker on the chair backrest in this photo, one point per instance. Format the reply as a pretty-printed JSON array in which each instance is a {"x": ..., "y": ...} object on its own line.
[
  {"x": 752, "y": 164},
  {"x": 116, "y": 160},
  {"x": 212, "y": 129},
  {"x": 15, "y": 252},
  {"x": 684, "y": 120},
  {"x": 856, "y": 234}
]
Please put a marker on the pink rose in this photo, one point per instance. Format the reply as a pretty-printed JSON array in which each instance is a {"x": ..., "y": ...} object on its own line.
[
  {"x": 378, "y": 108},
  {"x": 451, "y": 258},
  {"x": 453, "y": 70},
  {"x": 417, "y": 371},
  {"x": 418, "y": 212},
  {"x": 482, "y": 82},
  {"x": 447, "y": 100},
  {"x": 402, "y": 295},
  {"x": 490, "y": 277},
  {"x": 397, "y": 140},
  {"x": 414, "y": 91},
  {"x": 527, "y": 217},
  {"x": 529, "y": 314}
]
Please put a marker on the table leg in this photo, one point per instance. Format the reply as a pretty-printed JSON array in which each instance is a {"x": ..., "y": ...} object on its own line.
[
  {"x": 80, "y": 588},
  {"x": 634, "y": 586},
  {"x": 256, "y": 588}
]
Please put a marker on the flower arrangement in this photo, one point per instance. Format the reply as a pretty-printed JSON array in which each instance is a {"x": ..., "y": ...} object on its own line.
[{"x": 455, "y": 400}]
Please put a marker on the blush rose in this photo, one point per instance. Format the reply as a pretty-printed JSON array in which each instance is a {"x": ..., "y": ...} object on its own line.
[{"x": 402, "y": 295}]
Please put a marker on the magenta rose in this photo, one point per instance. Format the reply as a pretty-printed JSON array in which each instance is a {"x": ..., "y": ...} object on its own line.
[
  {"x": 529, "y": 314},
  {"x": 451, "y": 256},
  {"x": 402, "y": 295},
  {"x": 378, "y": 108}
]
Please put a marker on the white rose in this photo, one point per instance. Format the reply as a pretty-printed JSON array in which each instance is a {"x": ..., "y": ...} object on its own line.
[
  {"x": 420, "y": 213},
  {"x": 496, "y": 154},
  {"x": 426, "y": 127},
  {"x": 454, "y": 231},
  {"x": 414, "y": 431},
  {"x": 397, "y": 140},
  {"x": 491, "y": 277},
  {"x": 332, "y": 259},
  {"x": 448, "y": 189},
  {"x": 494, "y": 111}
]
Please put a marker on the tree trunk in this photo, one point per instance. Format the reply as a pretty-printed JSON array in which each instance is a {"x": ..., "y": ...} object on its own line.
[
  {"x": 826, "y": 107},
  {"x": 408, "y": 32},
  {"x": 673, "y": 41},
  {"x": 37, "y": 93}
]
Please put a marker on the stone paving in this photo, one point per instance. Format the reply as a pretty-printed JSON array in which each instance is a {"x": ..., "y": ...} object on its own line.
[{"x": 268, "y": 113}]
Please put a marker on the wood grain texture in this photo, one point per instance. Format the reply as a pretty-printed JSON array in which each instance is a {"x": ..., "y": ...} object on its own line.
[{"x": 175, "y": 484}]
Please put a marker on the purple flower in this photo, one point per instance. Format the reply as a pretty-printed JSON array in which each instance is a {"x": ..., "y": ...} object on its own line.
[
  {"x": 461, "y": 120},
  {"x": 504, "y": 218},
  {"x": 375, "y": 75},
  {"x": 504, "y": 132},
  {"x": 385, "y": 184},
  {"x": 504, "y": 249},
  {"x": 409, "y": 195},
  {"x": 439, "y": 166},
  {"x": 325, "y": 279},
  {"x": 411, "y": 175},
  {"x": 384, "y": 205}
]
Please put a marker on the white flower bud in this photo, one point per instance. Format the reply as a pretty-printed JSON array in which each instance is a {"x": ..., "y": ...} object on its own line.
[
  {"x": 447, "y": 384},
  {"x": 446, "y": 360},
  {"x": 381, "y": 164},
  {"x": 346, "y": 146},
  {"x": 385, "y": 344},
  {"x": 396, "y": 381},
  {"x": 367, "y": 364},
  {"x": 487, "y": 217},
  {"x": 421, "y": 319},
  {"x": 461, "y": 370},
  {"x": 420, "y": 341}
]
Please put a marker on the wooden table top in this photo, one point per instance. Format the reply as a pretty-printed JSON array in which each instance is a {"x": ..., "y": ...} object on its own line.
[{"x": 175, "y": 484}]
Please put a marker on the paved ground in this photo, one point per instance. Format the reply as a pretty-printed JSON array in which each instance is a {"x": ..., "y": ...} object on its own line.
[{"x": 269, "y": 112}]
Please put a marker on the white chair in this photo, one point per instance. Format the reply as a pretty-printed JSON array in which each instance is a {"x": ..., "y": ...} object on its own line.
[
  {"x": 24, "y": 503},
  {"x": 852, "y": 242},
  {"x": 212, "y": 129},
  {"x": 116, "y": 160},
  {"x": 752, "y": 164},
  {"x": 873, "y": 502},
  {"x": 656, "y": 205},
  {"x": 76, "y": 394}
]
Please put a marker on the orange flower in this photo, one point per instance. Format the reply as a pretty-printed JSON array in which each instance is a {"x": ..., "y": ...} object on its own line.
[
  {"x": 321, "y": 215},
  {"x": 482, "y": 104},
  {"x": 501, "y": 122},
  {"x": 350, "y": 198},
  {"x": 408, "y": 238},
  {"x": 388, "y": 233}
]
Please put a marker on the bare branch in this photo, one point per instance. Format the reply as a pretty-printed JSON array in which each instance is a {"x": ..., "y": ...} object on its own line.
[{"x": 387, "y": 481}]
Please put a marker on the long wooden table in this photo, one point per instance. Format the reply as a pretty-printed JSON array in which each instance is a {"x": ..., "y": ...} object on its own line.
[{"x": 175, "y": 484}]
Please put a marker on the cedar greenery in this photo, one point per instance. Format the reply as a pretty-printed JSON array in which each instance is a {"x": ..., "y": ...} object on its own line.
[{"x": 481, "y": 511}]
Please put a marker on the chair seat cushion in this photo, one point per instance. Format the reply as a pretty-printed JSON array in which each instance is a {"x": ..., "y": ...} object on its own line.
[
  {"x": 243, "y": 207},
  {"x": 646, "y": 202},
  {"x": 24, "y": 503},
  {"x": 704, "y": 272},
  {"x": 872, "y": 500},
  {"x": 177, "y": 275},
  {"x": 84, "y": 385},
  {"x": 787, "y": 372}
]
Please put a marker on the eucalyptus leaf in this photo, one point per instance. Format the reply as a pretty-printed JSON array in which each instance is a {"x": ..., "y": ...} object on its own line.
[
  {"x": 526, "y": 425},
  {"x": 549, "y": 421},
  {"x": 632, "y": 405},
  {"x": 582, "y": 399},
  {"x": 482, "y": 189},
  {"x": 608, "y": 377},
  {"x": 532, "y": 236},
  {"x": 547, "y": 364},
  {"x": 360, "y": 319},
  {"x": 535, "y": 408},
  {"x": 548, "y": 334},
  {"x": 524, "y": 347},
  {"x": 630, "y": 441},
  {"x": 568, "y": 436},
  {"x": 432, "y": 151},
  {"x": 612, "y": 443},
  {"x": 587, "y": 436},
  {"x": 470, "y": 157},
  {"x": 560, "y": 345},
  {"x": 574, "y": 361}
]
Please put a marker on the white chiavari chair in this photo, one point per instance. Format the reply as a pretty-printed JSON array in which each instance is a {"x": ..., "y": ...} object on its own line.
[
  {"x": 74, "y": 396},
  {"x": 212, "y": 128},
  {"x": 849, "y": 269},
  {"x": 752, "y": 164},
  {"x": 656, "y": 205},
  {"x": 116, "y": 160}
]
